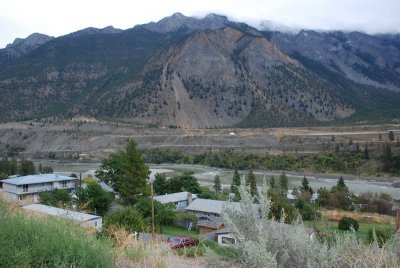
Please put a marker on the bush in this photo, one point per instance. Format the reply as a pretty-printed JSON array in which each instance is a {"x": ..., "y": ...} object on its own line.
[
  {"x": 270, "y": 243},
  {"x": 379, "y": 236},
  {"x": 345, "y": 224},
  {"x": 55, "y": 198},
  {"x": 127, "y": 218}
]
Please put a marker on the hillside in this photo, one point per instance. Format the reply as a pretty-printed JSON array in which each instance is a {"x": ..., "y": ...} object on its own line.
[{"x": 210, "y": 72}]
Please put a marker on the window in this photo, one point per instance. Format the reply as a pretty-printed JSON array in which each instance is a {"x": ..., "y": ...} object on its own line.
[
  {"x": 25, "y": 188},
  {"x": 228, "y": 240},
  {"x": 64, "y": 184}
]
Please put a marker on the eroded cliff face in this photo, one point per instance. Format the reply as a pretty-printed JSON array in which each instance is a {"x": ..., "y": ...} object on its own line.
[{"x": 222, "y": 77}]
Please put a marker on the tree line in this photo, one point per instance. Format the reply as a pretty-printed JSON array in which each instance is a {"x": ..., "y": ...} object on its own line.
[
  {"x": 349, "y": 160},
  {"x": 22, "y": 167}
]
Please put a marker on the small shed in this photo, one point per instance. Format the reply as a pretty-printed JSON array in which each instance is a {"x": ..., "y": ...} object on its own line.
[
  {"x": 83, "y": 218},
  {"x": 206, "y": 226}
]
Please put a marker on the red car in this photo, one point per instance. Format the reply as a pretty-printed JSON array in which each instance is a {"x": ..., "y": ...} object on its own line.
[{"x": 180, "y": 241}]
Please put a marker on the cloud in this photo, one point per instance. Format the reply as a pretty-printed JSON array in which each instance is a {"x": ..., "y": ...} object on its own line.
[{"x": 21, "y": 18}]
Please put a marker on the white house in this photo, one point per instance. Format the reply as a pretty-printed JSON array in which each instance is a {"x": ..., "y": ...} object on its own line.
[
  {"x": 181, "y": 199},
  {"x": 208, "y": 207},
  {"x": 25, "y": 189},
  {"x": 82, "y": 218}
]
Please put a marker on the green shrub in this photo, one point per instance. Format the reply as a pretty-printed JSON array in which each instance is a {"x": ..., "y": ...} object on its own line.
[
  {"x": 345, "y": 224},
  {"x": 380, "y": 236},
  {"x": 128, "y": 218}
]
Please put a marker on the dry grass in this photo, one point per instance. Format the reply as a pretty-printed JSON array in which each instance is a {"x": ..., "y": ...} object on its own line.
[
  {"x": 359, "y": 216},
  {"x": 134, "y": 252}
]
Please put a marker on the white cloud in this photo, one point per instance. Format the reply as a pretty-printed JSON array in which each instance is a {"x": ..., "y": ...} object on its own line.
[{"x": 23, "y": 17}]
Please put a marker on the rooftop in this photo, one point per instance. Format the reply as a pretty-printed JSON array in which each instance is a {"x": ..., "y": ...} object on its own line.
[
  {"x": 59, "y": 212},
  {"x": 172, "y": 198},
  {"x": 210, "y": 206},
  {"x": 41, "y": 178}
]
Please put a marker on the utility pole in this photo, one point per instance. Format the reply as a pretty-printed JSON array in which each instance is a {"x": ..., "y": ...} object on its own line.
[{"x": 153, "y": 232}]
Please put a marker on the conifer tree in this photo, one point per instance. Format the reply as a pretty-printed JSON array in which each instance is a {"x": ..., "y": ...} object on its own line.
[
  {"x": 366, "y": 152},
  {"x": 305, "y": 185},
  {"x": 252, "y": 182},
  {"x": 217, "y": 184},
  {"x": 283, "y": 182},
  {"x": 235, "y": 182},
  {"x": 272, "y": 182}
]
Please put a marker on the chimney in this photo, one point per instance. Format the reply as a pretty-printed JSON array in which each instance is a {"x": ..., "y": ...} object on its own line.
[{"x": 189, "y": 198}]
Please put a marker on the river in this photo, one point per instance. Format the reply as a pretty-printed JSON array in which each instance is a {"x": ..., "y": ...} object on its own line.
[{"x": 206, "y": 176}]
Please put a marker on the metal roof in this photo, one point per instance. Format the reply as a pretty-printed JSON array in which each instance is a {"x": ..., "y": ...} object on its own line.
[
  {"x": 172, "y": 198},
  {"x": 41, "y": 178},
  {"x": 211, "y": 206},
  {"x": 63, "y": 213}
]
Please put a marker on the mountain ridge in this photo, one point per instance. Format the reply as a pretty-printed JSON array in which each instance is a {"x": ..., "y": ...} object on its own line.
[{"x": 210, "y": 72}]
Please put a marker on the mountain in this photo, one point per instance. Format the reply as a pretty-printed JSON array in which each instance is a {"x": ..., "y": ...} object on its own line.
[
  {"x": 370, "y": 60},
  {"x": 210, "y": 72},
  {"x": 92, "y": 30},
  {"x": 21, "y": 47},
  {"x": 177, "y": 21}
]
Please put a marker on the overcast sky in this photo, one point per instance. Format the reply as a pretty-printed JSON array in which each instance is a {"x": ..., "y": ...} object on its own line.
[{"x": 19, "y": 18}]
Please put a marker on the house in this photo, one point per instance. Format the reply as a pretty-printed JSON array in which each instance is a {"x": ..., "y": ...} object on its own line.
[
  {"x": 207, "y": 207},
  {"x": 181, "y": 199},
  {"x": 25, "y": 189},
  {"x": 82, "y": 218}
]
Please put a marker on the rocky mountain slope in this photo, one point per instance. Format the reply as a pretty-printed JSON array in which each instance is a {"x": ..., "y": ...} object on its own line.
[
  {"x": 21, "y": 46},
  {"x": 210, "y": 72}
]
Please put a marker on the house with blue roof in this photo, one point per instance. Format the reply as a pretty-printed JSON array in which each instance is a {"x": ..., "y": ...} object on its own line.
[{"x": 25, "y": 189}]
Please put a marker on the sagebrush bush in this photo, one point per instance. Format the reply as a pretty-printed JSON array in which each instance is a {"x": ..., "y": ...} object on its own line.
[{"x": 269, "y": 243}]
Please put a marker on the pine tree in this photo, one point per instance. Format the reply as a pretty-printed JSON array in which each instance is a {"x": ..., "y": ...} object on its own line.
[
  {"x": 127, "y": 173},
  {"x": 366, "y": 152},
  {"x": 340, "y": 185},
  {"x": 283, "y": 182},
  {"x": 306, "y": 185},
  {"x": 252, "y": 182},
  {"x": 217, "y": 184},
  {"x": 272, "y": 182},
  {"x": 13, "y": 166},
  {"x": 235, "y": 182},
  {"x": 391, "y": 136},
  {"x": 387, "y": 158},
  {"x": 27, "y": 167}
]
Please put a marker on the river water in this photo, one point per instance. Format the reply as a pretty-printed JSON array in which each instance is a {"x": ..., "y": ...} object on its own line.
[{"x": 206, "y": 175}]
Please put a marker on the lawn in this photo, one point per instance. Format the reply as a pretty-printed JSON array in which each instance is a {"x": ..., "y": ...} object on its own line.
[
  {"x": 173, "y": 230},
  {"x": 328, "y": 226}
]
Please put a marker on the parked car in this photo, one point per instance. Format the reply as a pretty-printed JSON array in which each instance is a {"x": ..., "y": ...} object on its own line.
[
  {"x": 204, "y": 218},
  {"x": 179, "y": 241}
]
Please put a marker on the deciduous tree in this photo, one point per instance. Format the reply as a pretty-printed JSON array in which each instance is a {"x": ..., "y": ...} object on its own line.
[{"x": 93, "y": 199}]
